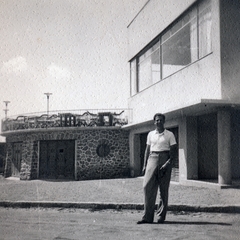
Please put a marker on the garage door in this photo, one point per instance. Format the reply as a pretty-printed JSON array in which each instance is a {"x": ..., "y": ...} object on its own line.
[{"x": 57, "y": 159}]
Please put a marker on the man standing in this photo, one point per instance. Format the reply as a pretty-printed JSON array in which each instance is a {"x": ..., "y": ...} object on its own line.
[{"x": 159, "y": 156}]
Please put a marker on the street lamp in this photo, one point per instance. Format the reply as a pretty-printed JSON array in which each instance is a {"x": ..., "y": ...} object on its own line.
[
  {"x": 48, "y": 94},
  {"x": 6, "y": 109}
]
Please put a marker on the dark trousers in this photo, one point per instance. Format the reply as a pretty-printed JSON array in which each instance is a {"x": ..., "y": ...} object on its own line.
[{"x": 153, "y": 180}]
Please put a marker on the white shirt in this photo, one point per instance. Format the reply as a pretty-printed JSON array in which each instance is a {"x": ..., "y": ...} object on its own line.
[{"x": 160, "y": 141}]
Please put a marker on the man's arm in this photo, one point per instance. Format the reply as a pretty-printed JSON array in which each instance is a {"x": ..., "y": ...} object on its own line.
[
  {"x": 173, "y": 153},
  {"x": 146, "y": 155}
]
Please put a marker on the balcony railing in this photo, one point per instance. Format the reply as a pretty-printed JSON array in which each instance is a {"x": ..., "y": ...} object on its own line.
[{"x": 72, "y": 118}]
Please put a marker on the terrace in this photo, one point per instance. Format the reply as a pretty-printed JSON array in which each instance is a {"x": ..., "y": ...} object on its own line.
[{"x": 73, "y": 118}]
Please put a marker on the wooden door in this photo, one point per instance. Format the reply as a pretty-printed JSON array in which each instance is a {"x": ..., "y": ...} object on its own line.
[
  {"x": 57, "y": 159},
  {"x": 16, "y": 159}
]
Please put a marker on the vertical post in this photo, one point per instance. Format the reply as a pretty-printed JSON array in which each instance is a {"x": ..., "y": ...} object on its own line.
[
  {"x": 224, "y": 148},
  {"x": 48, "y": 94},
  {"x": 6, "y": 109}
]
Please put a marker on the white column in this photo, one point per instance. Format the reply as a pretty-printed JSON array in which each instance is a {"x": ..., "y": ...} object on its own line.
[
  {"x": 188, "y": 153},
  {"x": 182, "y": 152},
  {"x": 224, "y": 147}
]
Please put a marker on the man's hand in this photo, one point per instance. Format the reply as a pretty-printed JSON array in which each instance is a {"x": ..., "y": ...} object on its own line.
[
  {"x": 164, "y": 166},
  {"x": 143, "y": 170}
]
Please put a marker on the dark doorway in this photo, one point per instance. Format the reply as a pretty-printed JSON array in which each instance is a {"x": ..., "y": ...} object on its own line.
[
  {"x": 16, "y": 159},
  {"x": 175, "y": 169},
  {"x": 207, "y": 147},
  {"x": 2, "y": 156},
  {"x": 57, "y": 159},
  {"x": 143, "y": 142}
]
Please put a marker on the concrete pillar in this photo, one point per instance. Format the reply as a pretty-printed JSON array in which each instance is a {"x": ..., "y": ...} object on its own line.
[
  {"x": 224, "y": 145},
  {"x": 182, "y": 146},
  {"x": 188, "y": 159}
]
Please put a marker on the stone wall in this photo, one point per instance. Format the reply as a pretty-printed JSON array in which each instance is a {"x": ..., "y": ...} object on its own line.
[
  {"x": 29, "y": 163},
  {"x": 8, "y": 160},
  {"x": 100, "y": 153},
  {"x": 113, "y": 144}
]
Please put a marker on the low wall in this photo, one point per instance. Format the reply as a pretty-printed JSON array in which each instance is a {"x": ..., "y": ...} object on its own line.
[{"x": 100, "y": 153}]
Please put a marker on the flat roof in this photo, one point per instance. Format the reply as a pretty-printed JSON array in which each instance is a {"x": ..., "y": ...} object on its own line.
[{"x": 203, "y": 106}]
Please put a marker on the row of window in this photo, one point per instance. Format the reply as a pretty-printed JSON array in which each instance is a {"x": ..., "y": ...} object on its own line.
[{"x": 186, "y": 41}]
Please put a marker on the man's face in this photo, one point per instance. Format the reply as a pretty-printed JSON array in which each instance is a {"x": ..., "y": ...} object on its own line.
[{"x": 159, "y": 121}]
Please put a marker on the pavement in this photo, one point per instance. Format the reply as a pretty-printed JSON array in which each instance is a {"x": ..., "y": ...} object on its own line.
[{"x": 124, "y": 193}]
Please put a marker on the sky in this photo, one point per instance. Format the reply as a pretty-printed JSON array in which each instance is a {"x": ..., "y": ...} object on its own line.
[{"x": 74, "y": 49}]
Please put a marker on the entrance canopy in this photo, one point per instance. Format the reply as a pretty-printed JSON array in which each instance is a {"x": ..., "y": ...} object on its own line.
[{"x": 204, "y": 106}]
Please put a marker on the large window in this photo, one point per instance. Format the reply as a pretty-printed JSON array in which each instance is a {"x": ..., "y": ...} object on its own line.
[
  {"x": 133, "y": 77},
  {"x": 184, "y": 42},
  {"x": 179, "y": 44},
  {"x": 149, "y": 67}
]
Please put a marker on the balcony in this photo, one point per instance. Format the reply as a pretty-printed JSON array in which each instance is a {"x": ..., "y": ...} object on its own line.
[{"x": 74, "y": 118}]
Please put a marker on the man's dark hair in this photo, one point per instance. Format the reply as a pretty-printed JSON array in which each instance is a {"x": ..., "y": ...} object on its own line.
[{"x": 159, "y": 115}]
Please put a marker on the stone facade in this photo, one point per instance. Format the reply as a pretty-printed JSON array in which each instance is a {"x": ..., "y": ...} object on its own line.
[
  {"x": 100, "y": 153},
  {"x": 8, "y": 160}
]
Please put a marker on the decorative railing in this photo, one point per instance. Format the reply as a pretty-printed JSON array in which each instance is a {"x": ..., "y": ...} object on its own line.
[{"x": 73, "y": 118}]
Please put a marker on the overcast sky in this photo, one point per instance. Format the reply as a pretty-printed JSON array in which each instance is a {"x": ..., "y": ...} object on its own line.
[{"x": 75, "y": 49}]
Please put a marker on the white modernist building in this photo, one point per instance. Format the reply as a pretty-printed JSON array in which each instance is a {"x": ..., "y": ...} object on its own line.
[{"x": 184, "y": 58}]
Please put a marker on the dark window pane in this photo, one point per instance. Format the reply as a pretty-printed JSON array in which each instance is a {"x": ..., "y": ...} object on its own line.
[{"x": 180, "y": 49}]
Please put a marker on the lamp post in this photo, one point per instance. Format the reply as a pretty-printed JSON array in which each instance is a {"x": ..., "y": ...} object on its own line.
[
  {"x": 6, "y": 109},
  {"x": 48, "y": 94}
]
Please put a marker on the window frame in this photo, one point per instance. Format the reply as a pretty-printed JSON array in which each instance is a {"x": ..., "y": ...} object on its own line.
[{"x": 159, "y": 39}]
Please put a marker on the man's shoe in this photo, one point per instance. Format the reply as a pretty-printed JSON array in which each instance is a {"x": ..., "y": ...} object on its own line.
[
  {"x": 143, "y": 222},
  {"x": 161, "y": 220}
]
